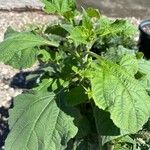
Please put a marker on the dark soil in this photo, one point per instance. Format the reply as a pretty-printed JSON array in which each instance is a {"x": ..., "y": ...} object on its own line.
[{"x": 4, "y": 129}]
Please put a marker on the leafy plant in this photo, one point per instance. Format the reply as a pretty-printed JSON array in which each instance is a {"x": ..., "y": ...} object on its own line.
[{"x": 92, "y": 90}]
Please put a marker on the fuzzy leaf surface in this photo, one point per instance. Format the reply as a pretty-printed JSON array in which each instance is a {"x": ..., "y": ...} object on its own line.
[
  {"x": 144, "y": 66},
  {"x": 80, "y": 34},
  {"x": 145, "y": 70},
  {"x": 130, "y": 63},
  {"x": 116, "y": 91},
  {"x": 59, "y": 6},
  {"x": 40, "y": 121},
  {"x": 116, "y": 27},
  {"x": 145, "y": 81},
  {"x": 18, "y": 49}
]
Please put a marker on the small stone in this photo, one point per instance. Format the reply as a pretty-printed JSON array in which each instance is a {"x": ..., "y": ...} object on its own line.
[
  {"x": 6, "y": 87},
  {"x": 8, "y": 98},
  {"x": 3, "y": 103},
  {"x": 11, "y": 91},
  {"x": 17, "y": 93},
  {"x": 2, "y": 84},
  {"x": 8, "y": 104},
  {"x": 4, "y": 71}
]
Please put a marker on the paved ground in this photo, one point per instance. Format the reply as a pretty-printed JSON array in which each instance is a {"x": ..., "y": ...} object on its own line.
[
  {"x": 117, "y": 8},
  {"x": 120, "y": 8},
  {"x": 11, "y": 4}
]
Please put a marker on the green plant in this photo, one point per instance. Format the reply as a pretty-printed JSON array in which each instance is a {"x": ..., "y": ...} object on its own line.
[{"x": 92, "y": 90}]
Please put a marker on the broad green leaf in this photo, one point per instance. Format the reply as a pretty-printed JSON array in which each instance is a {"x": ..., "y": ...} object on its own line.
[
  {"x": 104, "y": 21},
  {"x": 67, "y": 27},
  {"x": 89, "y": 17},
  {"x": 49, "y": 6},
  {"x": 87, "y": 21},
  {"x": 79, "y": 34},
  {"x": 93, "y": 13},
  {"x": 23, "y": 59},
  {"x": 44, "y": 56},
  {"x": 40, "y": 121},
  {"x": 59, "y": 6},
  {"x": 76, "y": 96},
  {"x": 145, "y": 81},
  {"x": 130, "y": 63},
  {"x": 123, "y": 26},
  {"x": 115, "y": 90},
  {"x": 70, "y": 16},
  {"x": 125, "y": 57},
  {"x": 144, "y": 68},
  {"x": 18, "y": 49},
  {"x": 115, "y": 54},
  {"x": 117, "y": 27},
  {"x": 9, "y": 32},
  {"x": 103, "y": 24},
  {"x": 57, "y": 30}
]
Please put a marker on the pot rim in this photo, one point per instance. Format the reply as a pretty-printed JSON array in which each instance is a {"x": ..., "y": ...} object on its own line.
[{"x": 143, "y": 24}]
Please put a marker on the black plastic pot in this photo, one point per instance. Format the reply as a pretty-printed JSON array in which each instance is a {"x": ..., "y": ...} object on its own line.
[{"x": 144, "y": 39}]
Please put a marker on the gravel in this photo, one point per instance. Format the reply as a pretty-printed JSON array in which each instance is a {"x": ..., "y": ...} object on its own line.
[
  {"x": 18, "y": 21},
  {"x": 20, "y": 4}
]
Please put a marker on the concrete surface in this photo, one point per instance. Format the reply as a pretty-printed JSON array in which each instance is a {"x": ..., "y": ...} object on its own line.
[
  {"x": 120, "y": 8},
  {"x": 20, "y": 4},
  {"x": 112, "y": 8}
]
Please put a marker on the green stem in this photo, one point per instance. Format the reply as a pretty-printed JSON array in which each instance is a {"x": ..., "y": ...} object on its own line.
[
  {"x": 95, "y": 55},
  {"x": 52, "y": 43}
]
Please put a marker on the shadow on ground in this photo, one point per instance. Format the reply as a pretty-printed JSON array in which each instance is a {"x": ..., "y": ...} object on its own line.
[{"x": 4, "y": 129}]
